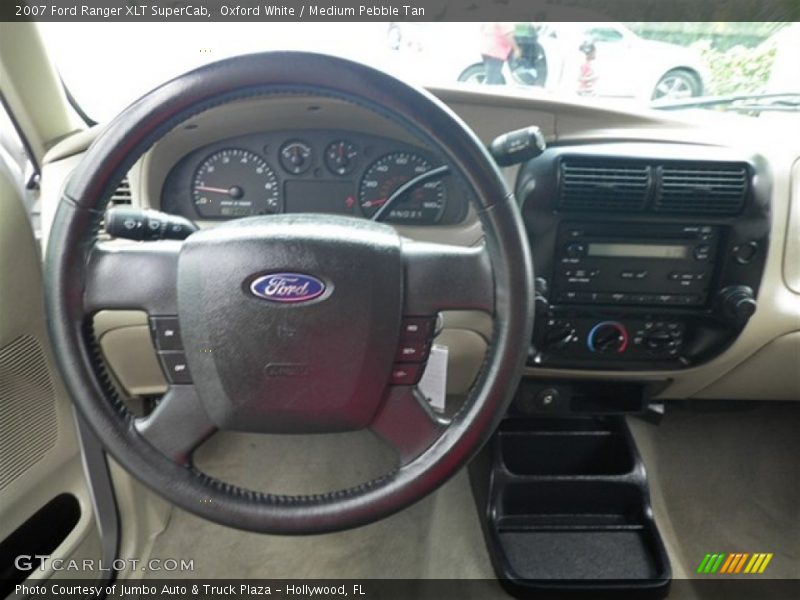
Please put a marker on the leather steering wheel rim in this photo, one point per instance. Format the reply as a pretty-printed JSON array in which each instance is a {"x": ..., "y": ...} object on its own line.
[{"x": 68, "y": 273}]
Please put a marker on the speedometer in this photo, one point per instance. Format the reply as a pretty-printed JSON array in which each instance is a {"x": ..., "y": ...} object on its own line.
[
  {"x": 422, "y": 204},
  {"x": 234, "y": 183}
]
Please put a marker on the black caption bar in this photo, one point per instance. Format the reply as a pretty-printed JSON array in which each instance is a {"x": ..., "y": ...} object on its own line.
[
  {"x": 365, "y": 589},
  {"x": 399, "y": 10}
]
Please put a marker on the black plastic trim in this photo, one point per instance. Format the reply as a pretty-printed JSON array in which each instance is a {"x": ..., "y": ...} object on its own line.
[{"x": 567, "y": 511}]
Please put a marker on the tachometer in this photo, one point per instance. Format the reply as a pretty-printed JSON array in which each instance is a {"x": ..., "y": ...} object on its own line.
[
  {"x": 423, "y": 204},
  {"x": 234, "y": 183}
]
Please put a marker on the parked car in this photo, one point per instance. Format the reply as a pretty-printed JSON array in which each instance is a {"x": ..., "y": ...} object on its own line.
[{"x": 626, "y": 65}]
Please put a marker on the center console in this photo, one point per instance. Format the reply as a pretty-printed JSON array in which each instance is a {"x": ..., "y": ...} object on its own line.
[{"x": 648, "y": 256}]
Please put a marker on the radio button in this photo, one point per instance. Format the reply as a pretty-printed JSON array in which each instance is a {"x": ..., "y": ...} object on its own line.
[
  {"x": 575, "y": 250},
  {"x": 702, "y": 252}
]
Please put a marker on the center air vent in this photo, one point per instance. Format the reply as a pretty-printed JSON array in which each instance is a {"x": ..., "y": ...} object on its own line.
[
  {"x": 702, "y": 189},
  {"x": 603, "y": 185}
]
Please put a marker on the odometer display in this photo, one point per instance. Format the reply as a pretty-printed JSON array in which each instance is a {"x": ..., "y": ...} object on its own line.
[
  {"x": 234, "y": 183},
  {"x": 421, "y": 205}
]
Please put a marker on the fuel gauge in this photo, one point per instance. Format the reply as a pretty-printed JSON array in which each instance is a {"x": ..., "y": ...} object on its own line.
[{"x": 295, "y": 157}]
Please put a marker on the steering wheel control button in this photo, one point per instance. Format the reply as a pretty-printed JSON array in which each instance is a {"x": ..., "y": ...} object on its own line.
[
  {"x": 412, "y": 352},
  {"x": 416, "y": 328},
  {"x": 166, "y": 333},
  {"x": 175, "y": 367},
  {"x": 406, "y": 374}
]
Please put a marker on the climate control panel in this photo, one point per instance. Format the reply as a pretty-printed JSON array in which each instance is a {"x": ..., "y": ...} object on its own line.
[{"x": 631, "y": 339}]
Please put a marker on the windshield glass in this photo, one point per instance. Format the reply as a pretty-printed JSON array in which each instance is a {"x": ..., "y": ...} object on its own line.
[{"x": 107, "y": 65}]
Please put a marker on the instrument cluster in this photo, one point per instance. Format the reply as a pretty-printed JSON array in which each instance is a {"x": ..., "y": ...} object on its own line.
[{"x": 320, "y": 171}]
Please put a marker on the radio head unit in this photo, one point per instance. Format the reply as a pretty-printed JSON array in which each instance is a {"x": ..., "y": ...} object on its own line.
[{"x": 634, "y": 263}]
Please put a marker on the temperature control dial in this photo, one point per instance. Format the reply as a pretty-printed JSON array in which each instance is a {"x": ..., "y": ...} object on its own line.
[{"x": 608, "y": 337}]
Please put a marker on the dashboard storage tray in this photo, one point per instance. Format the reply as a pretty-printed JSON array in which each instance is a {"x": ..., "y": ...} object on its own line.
[{"x": 568, "y": 511}]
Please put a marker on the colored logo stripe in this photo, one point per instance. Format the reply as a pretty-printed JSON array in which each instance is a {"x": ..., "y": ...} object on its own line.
[{"x": 728, "y": 564}]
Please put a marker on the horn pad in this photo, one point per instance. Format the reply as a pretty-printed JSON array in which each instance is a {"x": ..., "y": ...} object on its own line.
[{"x": 290, "y": 322}]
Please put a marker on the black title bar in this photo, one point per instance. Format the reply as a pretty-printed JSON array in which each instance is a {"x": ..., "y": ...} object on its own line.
[{"x": 399, "y": 10}]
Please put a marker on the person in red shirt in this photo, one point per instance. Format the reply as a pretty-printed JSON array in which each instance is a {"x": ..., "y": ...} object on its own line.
[
  {"x": 588, "y": 76},
  {"x": 498, "y": 44}
]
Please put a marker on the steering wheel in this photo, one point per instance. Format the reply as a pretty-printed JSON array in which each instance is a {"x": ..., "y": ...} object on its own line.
[{"x": 322, "y": 362}]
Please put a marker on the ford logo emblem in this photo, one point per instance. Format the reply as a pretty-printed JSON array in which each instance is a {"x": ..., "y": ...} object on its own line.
[{"x": 288, "y": 288}]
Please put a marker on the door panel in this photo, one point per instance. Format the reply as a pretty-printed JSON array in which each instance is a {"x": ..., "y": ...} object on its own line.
[{"x": 40, "y": 456}]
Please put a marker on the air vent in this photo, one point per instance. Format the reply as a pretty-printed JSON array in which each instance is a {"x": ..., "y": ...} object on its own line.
[
  {"x": 603, "y": 185},
  {"x": 122, "y": 195},
  {"x": 702, "y": 189}
]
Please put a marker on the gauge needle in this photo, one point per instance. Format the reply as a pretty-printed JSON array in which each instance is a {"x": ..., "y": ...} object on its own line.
[
  {"x": 371, "y": 203},
  {"x": 204, "y": 188},
  {"x": 406, "y": 187}
]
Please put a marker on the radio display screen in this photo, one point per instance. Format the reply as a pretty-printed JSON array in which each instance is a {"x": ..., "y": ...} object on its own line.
[{"x": 638, "y": 250}]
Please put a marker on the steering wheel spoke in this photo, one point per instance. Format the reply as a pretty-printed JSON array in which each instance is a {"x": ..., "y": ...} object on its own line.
[
  {"x": 136, "y": 275},
  {"x": 407, "y": 423},
  {"x": 178, "y": 425},
  {"x": 443, "y": 277}
]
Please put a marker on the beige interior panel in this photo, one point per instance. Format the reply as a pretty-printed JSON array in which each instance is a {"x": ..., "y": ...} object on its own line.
[
  {"x": 39, "y": 450},
  {"x": 772, "y": 373},
  {"x": 791, "y": 260},
  {"x": 32, "y": 88},
  {"x": 129, "y": 352},
  {"x": 466, "y": 351},
  {"x": 143, "y": 515}
]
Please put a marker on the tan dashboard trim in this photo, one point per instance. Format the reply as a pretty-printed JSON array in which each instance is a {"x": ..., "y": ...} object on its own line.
[{"x": 791, "y": 260}]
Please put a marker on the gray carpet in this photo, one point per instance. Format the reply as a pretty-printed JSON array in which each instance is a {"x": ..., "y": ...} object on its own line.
[
  {"x": 721, "y": 482},
  {"x": 726, "y": 482},
  {"x": 437, "y": 537}
]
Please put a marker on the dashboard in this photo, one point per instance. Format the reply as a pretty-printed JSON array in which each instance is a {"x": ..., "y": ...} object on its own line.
[
  {"x": 322, "y": 171},
  {"x": 623, "y": 297}
]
